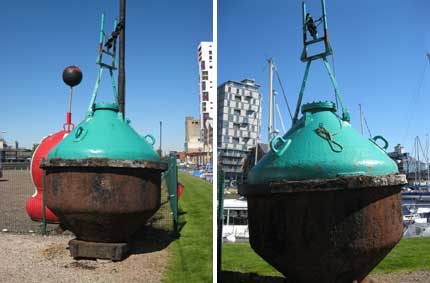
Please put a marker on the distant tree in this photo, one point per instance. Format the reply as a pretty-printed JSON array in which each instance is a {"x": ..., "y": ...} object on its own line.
[{"x": 35, "y": 145}]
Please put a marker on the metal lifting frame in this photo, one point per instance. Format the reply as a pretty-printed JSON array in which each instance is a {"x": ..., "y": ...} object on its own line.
[
  {"x": 110, "y": 43},
  {"x": 308, "y": 59}
]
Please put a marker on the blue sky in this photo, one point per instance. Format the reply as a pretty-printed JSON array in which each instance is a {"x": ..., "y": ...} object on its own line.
[
  {"x": 380, "y": 58},
  {"x": 41, "y": 38}
]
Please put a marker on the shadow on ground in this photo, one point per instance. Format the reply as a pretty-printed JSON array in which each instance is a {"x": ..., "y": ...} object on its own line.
[
  {"x": 150, "y": 239},
  {"x": 238, "y": 277}
]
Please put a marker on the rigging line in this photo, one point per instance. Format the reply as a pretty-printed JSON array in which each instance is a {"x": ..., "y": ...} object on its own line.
[
  {"x": 427, "y": 146},
  {"x": 413, "y": 99},
  {"x": 422, "y": 150},
  {"x": 283, "y": 92},
  {"x": 280, "y": 118},
  {"x": 367, "y": 126}
]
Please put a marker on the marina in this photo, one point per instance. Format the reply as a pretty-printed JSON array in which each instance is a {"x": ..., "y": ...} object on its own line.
[{"x": 415, "y": 209}]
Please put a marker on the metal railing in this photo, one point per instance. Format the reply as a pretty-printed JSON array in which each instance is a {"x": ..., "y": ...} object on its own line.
[
  {"x": 171, "y": 180},
  {"x": 16, "y": 188}
]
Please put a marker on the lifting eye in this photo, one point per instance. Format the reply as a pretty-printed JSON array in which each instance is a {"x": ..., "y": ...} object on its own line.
[
  {"x": 150, "y": 139},
  {"x": 78, "y": 132}
]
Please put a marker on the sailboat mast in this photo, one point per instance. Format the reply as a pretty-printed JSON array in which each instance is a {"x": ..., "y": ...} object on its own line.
[
  {"x": 427, "y": 160},
  {"x": 270, "y": 112},
  {"x": 361, "y": 119}
]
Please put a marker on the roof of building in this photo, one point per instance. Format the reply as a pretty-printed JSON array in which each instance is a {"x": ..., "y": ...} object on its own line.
[{"x": 244, "y": 82}]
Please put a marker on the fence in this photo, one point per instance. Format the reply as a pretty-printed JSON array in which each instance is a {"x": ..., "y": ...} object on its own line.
[
  {"x": 220, "y": 220},
  {"x": 16, "y": 187},
  {"x": 171, "y": 181}
]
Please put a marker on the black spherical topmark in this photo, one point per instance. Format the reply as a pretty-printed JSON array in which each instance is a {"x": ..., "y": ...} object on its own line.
[{"x": 72, "y": 76}]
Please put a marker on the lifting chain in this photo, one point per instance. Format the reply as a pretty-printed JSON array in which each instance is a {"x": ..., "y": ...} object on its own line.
[{"x": 325, "y": 134}]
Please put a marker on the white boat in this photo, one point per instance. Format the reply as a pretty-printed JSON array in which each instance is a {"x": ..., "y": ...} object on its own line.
[
  {"x": 235, "y": 226},
  {"x": 416, "y": 221}
]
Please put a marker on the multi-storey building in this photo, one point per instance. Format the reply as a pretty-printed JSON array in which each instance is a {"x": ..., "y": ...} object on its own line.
[
  {"x": 206, "y": 59},
  {"x": 192, "y": 135},
  {"x": 239, "y": 125}
]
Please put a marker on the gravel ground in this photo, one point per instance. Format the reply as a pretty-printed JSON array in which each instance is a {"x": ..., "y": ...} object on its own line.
[
  {"x": 30, "y": 257},
  {"x": 34, "y": 258},
  {"x": 402, "y": 277},
  {"x": 15, "y": 189}
]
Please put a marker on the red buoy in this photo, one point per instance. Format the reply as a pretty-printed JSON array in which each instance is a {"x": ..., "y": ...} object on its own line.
[
  {"x": 34, "y": 203},
  {"x": 72, "y": 76},
  {"x": 180, "y": 189}
]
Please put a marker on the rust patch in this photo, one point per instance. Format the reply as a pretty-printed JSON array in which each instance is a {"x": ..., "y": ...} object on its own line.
[
  {"x": 103, "y": 204},
  {"x": 102, "y": 162},
  {"x": 325, "y": 236},
  {"x": 339, "y": 183}
]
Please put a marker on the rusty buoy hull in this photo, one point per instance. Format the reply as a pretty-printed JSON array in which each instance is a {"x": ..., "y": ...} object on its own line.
[
  {"x": 334, "y": 230},
  {"x": 103, "y": 200}
]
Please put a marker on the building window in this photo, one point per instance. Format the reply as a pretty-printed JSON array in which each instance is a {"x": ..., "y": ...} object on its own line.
[
  {"x": 237, "y": 91},
  {"x": 235, "y": 140},
  {"x": 229, "y": 89},
  {"x": 210, "y": 52},
  {"x": 249, "y": 113},
  {"x": 238, "y": 98},
  {"x": 237, "y": 111},
  {"x": 203, "y": 85},
  {"x": 205, "y": 96},
  {"x": 236, "y": 126},
  {"x": 205, "y": 75},
  {"x": 203, "y": 65},
  {"x": 210, "y": 57}
]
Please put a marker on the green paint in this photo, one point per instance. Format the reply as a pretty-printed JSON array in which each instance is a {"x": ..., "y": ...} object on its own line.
[
  {"x": 171, "y": 178},
  {"x": 104, "y": 134},
  {"x": 319, "y": 146}
]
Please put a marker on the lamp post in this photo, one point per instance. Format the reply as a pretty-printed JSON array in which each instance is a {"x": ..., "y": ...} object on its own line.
[
  {"x": 161, "y": 133},
  {"x": 1, "y": 149}
]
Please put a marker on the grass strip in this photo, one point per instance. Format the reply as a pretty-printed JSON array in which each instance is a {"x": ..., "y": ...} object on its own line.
[{"x": 190, "y": 257}]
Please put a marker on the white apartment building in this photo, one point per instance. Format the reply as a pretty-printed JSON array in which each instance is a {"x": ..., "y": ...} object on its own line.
[
  {"x": 239, "y": 125},
  {"x": 207, "y": 90}
]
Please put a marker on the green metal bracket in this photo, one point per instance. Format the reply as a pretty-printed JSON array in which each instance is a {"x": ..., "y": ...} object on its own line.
[
  {"x": 307, "y": 22},
  {"x": 375, "y": 138},
  {"x": 284, "y": 143},
  {"x": 302, "y": 90},
  {"x": 220, "y": 219},
  {"x": 171, "y": 178},
  {"x": 111, "y": 67},
  {"x": 345, "y": 112}
]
